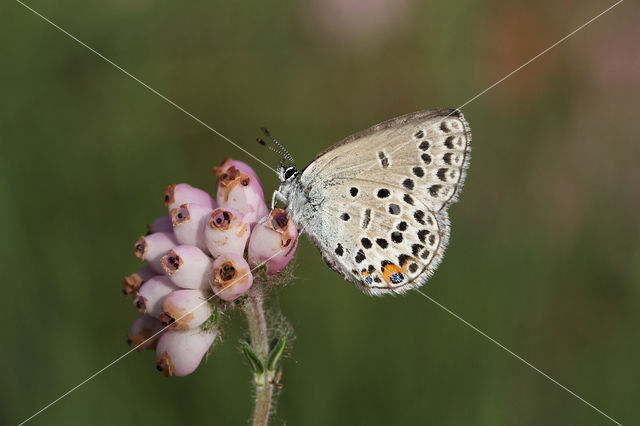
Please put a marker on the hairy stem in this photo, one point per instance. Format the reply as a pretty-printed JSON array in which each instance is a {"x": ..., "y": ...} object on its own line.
[{"x": 254, "y": 310}]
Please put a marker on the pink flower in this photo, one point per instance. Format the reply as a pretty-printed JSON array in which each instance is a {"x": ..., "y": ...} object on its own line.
[
  {"x": 151, "y": 248},
  {"x": 180, "y": 352},
  {"x": 133, "y": 282},
  {"x": 274, "y": 241},
  {"x": 230, "y": 277},
  {"x": 226, "y": 232},
  {"x": 187, "y": 267},
  {"x": 149, "y": 298},
  {"x": 185, "y": 309},
  {"x": 189, "y": 222},
  {"x": 144, "y": 332},
  {"x": 241, "y": 191},
  {"x": 183, "y": 193},
  {"x": 197, "y": 252},
  {"x": 220, "y": 170}
]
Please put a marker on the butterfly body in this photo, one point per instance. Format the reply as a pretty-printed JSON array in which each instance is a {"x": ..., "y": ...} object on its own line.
[{"x": 375, "y": 204}]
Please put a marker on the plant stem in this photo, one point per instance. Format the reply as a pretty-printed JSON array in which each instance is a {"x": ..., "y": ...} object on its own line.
[{"x": 254, "y": 310}]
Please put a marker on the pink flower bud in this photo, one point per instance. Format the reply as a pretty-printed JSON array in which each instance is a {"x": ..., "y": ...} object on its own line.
[
  {"x": 151, "y": 248},
  {"x": 230, "y": 276},
  {"x": 133, "y": 282},
  {"x": 239, "y": 165},
  {"x": 180, "y": 352},
  {"x": 185, "y": 309},
  {"x": 183, "y": 193},
  {"x": 243, "y": 192},
  {"x": 151, "y": 293},
  {"x": 161, "y": 224},
  {"x": 273, "y": 240},
  {"x": 226, "y": 232},
  {"x": 187, "y": 267},
  {"x": 189, "y": 222},
  {"x": 144, "y": 332}
]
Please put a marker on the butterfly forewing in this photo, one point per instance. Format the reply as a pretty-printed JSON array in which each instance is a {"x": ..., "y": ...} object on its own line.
[{"x": 377, "y": 201}]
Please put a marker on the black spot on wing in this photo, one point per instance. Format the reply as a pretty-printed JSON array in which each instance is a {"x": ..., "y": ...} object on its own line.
[
  {"x": 384, "y": 160},
  {"x": 408, "y": 183}
]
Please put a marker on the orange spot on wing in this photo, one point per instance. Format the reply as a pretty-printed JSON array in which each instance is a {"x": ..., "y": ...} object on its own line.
[{"x": 389, "y": 269}]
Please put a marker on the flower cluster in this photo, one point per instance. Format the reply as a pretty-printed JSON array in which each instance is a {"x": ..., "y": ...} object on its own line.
[{"x": 199, "y": 257}]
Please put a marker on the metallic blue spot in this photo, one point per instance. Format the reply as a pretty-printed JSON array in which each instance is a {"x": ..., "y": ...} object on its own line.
[
  {"x": 368, "y": 279},
  {"x": 396, "y": 277}
]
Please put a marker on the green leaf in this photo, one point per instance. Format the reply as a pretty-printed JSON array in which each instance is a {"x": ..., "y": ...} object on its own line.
[
  {"x": 276, "y": 354},
  {"x": 255, "y": 362}
]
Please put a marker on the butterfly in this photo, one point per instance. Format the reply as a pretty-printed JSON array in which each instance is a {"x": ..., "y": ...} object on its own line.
[{"x": 375, "y": 204}]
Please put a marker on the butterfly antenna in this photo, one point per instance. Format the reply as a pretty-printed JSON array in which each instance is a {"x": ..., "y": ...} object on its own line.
[
  {"x": 270, "y": 148},
  {"x": 279, "y": 145}
]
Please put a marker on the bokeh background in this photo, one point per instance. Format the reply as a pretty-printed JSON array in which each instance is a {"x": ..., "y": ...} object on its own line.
[{"x": 545, "y": 250}]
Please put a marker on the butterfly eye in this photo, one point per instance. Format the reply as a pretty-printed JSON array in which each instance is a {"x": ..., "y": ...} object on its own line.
[{"x": 289, "y": 173}]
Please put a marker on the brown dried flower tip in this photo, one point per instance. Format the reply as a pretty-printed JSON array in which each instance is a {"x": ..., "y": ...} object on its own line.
[
  {"x": 219, "y": 170},
  {"x": 220, "y": 219},
  {"x": 171, "y": 262},
  {"x": 229, "y": 176},
  {"x": 225, "y": 272},
  {"x": 279, "y": 220},
  {"x": 140, "y": 248},
  {"x": 169, "y": 195},
  {"x": 140, "y": 303},
  {"x": 165, "y": 365},
  {"x": 131, "y": 285},
  {"x": 167, "y": 319},
  {"x": 180, "y": 214}
]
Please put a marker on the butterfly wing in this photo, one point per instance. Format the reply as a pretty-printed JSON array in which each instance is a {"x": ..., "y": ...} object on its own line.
[{"x": 377, "y": 201}]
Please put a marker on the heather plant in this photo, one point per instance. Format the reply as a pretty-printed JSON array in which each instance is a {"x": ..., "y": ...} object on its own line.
[{"x": 205, "y": 259}]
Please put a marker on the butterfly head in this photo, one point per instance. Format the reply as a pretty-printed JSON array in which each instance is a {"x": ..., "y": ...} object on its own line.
[{"x": 286, "y": 173}]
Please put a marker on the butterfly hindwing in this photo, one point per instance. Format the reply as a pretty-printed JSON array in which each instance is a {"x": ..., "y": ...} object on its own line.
[{"x": 386, "y": 241}]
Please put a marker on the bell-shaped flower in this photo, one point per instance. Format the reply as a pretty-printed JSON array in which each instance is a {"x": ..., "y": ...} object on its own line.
[
  {"x": 189, "y": 222},
  {"x": 228, "y": 162},
  {"x": 150, "y": 295},
  {"x": 226, "y": 232},
  {"x": 183, "y": 193},
  {"x": 187, "y": 267},
  {"x": 133, "y": 282},
  {"x": 185, "y": 309},
  {"x": 151, "y": 248},
  {"x": 180, "y": 352},
  {"x": 144, "y": 332},
  {"x": 241, "y": 191},
  {"x": 273, "y": 240},
  {"x": 230, "y": 276}
]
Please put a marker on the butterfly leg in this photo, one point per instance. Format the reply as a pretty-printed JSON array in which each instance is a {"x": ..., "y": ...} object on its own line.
[{"x": 277, "y": 195}]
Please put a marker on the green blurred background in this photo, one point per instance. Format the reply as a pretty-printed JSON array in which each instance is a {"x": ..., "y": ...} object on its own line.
[{"x": 545, "y": 250}]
